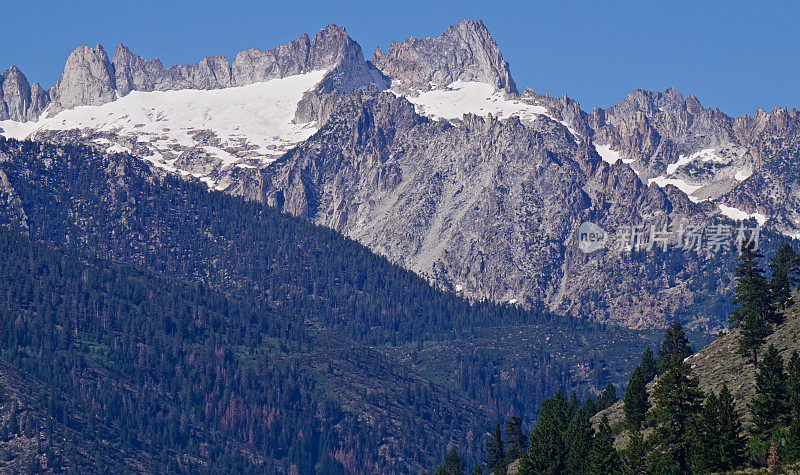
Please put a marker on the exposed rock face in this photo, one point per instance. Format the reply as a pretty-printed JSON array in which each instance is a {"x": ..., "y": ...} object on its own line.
[
  {"x": 465, "y": 52},
  {"x": 88, "y": 79},
  {"x": 18, "y": 100},
  {"x": 486, "y": 205},
  {"x": 491, "y": 208},
  {"x": 744, "y": 163},
  {"x": 134, "y": 73}
]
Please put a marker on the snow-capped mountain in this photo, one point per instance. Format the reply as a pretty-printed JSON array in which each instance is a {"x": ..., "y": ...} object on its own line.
[
  {"x": 429, "y": 155},
  {"x": 204, "y": 120}
]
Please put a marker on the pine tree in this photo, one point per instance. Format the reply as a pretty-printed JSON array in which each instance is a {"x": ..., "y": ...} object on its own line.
[
  {"x": 634, "y": 454},
  {"x": 769, "y": 406},
  {"x": 495, "y": 454},
  {"x": 590, "y": 406},
  {"x": 732, "y": 443},
  {"x": 516, "y": 440},
  {"x": 573, "y": 404},
  {"x": 674, "y": 348},
  {"x": 793, "y": 385},
  {"x": 754, "y": 329},
  {"x": 13, "y": 423},
  {"x": 636, "y": 403},
  {"x": 677, "y": 403},
  {"x": 791, "y": 447},
  {"x": 752, "y": 290},
  {"x": 547, "y": 451},
  {"x": 477, "y": 470},
  {"x": 452, "y": 465},
  {"x": 649, "y": 365},
  {"x": 608, "y": 397},
  {"x": 603, "y": 458},
  {"x": 707, "y": 438},
  {"x": 785, "y": 267},
  {"x": 578, "y": 440}
]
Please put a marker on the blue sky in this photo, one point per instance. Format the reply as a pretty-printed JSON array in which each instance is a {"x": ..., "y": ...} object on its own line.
[{"x": 737, "y": 56}]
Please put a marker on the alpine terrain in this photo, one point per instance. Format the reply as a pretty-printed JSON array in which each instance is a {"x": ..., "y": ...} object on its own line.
[{"x": 301, "y": 260}]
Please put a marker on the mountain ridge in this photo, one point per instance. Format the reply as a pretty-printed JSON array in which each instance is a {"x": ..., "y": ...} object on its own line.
[{"x": 663, "y": 152}]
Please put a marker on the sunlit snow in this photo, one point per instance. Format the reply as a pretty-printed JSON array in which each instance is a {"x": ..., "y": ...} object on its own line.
[
  {"x": 477, "y": 98},
  {"x": 739, "y": 215},
  {"x": 743, "y": 174},
  {"x": 253, "y": 121},
  {"x": 682, "y": 185}
]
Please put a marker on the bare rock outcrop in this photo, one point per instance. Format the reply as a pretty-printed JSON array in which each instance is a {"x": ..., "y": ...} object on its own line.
[
  {"x": 18, "y": 100},
  {"x": 465, "y": 52},
  {"x": 88, "y": 79}
]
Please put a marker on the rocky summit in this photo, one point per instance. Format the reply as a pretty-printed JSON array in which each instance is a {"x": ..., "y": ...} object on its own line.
[{"x": 429, "y": 155}]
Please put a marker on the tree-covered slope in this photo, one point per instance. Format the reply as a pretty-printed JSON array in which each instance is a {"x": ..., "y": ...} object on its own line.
[
  {"x": 385, "y": 368},
  {"x": 183, "y": 377}
]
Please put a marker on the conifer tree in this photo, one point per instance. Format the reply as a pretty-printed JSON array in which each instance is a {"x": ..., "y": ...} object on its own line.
[
  {"x": 452, "y": 465},
  {"x": 636, "y": 403},
  {"x": 649, "y": 365},
  {"x": 793, "y": 385},
  {"x": 785, "y": 268},
  {"x": 791, "y": 447},
  {"x": 495, "y": 453},
  {"x": 675, "y": 347},
  {"x": 769, "y": 407},
  {"x": 590, "y": 406},
  {"x": 477, "y": 470},
  {"x": 677, "y": 402},
  {"x": 607, "y": 398},
  {"x": 578, "y": 440},
  {"x": 752, "y": 289},
  {"x": 547, "y": 451},
  {"x": 573, "y": 404},
  {"x": 603, "y": 458},
  {"x": 732, "y": 448},
  {"x": 516, "y": 440},
  {"x": 634, "y": 454},
  {"x": 719, "y": 443},
  {"x": 754, "y": 329}
]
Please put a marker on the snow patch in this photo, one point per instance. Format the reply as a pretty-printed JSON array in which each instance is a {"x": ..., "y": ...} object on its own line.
[
  {"x": 609, "y": 156},
  {"x": 117, "y": 148},
  {"x": 477, "y": 98},
  {"x": 738, "y": 215},
  {"x": 743, "y": 174},
  {"x": 253, "y": 121},
  {"x": 706, "y": 155},
  {"x": 682, "y": 185}
]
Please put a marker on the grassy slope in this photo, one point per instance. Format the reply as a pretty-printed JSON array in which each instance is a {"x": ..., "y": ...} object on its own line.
[{"x": 721, "y": 363}]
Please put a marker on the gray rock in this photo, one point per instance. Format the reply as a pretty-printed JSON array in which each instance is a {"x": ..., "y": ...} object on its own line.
[
  {"x": 464, "y": 52},
  {"x": 134, "y": 73},
  {"x": 88, "y": 79},
  {"x": 492, "y": 207},
  {"x": 18, "y": 100}
]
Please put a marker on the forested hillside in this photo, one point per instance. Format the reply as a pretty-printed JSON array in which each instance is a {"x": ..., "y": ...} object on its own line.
[
  {"x": 734, "y": 406},
  {"x": 373, "y": 355}
]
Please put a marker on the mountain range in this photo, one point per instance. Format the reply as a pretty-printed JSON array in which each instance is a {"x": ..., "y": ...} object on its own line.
[{"x": 429, "y": 155}]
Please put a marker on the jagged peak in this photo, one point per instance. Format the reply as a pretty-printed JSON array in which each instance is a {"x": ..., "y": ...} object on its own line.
[
  {"x": 465, "y": 52},
  {"x": 18, "y": 100}
]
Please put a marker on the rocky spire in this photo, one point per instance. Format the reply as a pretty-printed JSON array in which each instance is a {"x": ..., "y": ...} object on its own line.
[
  {"x": 88, "y": 79},
  {"x": 134, "y": 73},
  {"x": 331, "y": 49},
  {"x": 464, "y": 52},
  {"x": 15, "y": 95}
]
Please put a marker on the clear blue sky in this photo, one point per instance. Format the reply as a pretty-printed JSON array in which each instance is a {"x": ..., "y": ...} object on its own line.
[{"x": 737, "y": 56}]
